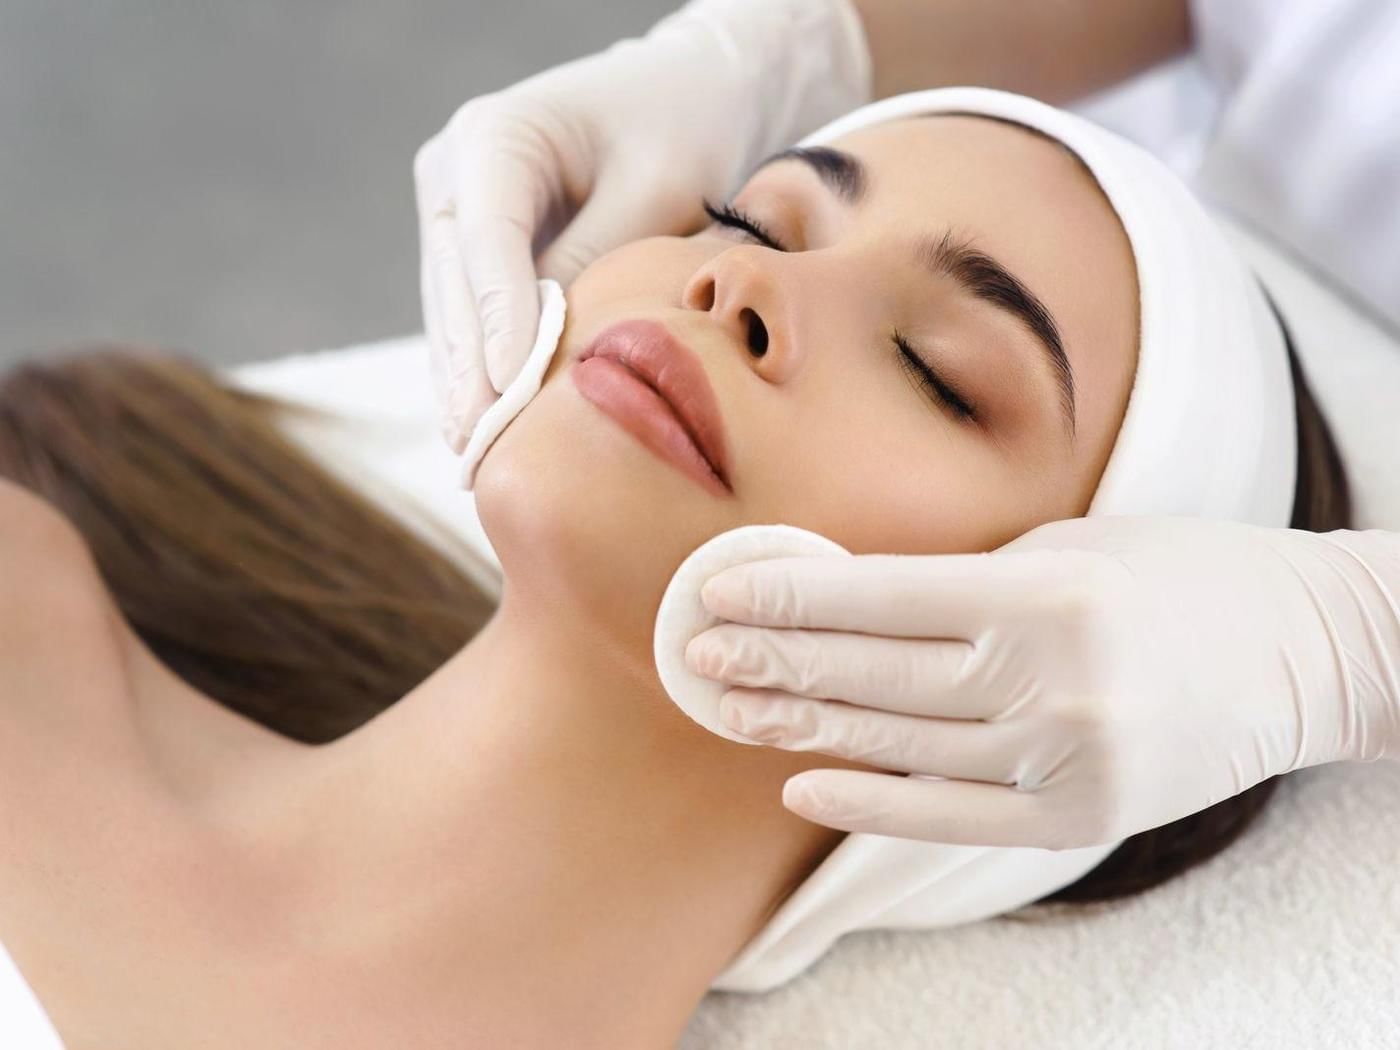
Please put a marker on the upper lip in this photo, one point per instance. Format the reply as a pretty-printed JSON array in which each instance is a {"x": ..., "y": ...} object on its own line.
[{"x": 664, "y": 363}]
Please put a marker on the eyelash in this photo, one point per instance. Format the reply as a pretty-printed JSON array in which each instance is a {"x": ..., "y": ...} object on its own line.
[
  {"x": 914, "y": 365},
  {"x": 728, "y": 215}
]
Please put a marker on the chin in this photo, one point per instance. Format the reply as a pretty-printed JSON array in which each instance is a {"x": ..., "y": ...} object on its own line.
[{"x": 586, "y": 522}]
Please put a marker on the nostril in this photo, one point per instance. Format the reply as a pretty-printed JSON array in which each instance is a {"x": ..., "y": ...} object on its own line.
[{"x": 758, "y": 334}]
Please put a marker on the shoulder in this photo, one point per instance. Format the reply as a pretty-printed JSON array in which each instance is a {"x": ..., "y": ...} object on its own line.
[
  {"x": 29, "y": 522},
  {"x": 46, "y": 565},
  {"x": 59, "y": 629}
]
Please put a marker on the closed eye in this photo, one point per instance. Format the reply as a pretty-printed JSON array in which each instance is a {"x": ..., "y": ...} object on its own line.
[
  {"x": 929, "y": 380},
  {"x": 919, "y": 370},
  {"x": 729, "y": 215}
]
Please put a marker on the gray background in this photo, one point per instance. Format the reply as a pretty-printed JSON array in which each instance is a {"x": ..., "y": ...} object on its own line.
[{"x": 234, "y": 180}]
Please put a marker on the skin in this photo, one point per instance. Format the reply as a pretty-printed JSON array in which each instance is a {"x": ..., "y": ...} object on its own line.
[
  {"x": 537, "y": 822},
  {"x": 1056, "y": 52}
]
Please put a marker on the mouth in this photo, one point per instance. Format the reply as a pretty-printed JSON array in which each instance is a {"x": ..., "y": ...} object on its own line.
[{"x": 677, "y": 415}]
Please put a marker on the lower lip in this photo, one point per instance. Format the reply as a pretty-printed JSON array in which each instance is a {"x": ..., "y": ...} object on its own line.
[{"x": 644, "y": 414}]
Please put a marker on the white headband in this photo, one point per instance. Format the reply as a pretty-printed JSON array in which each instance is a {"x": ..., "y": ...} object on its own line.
[
  {"x": 1209, "y": 427},
  {"x": 1209, "y": 431}
]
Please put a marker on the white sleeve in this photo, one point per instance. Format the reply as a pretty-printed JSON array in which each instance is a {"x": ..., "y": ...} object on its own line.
[{"x": 1306, "y": 144}]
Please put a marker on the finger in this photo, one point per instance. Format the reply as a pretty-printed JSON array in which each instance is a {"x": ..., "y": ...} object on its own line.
[
  {"x": 466, "y": 390},
  {"x": 437, "y": 351},
  {"x": 496, "y": 220},
  {"x": 906, "y": 743},
  {"x": 911, "y": 676},
  {"x": 456, "y": 440},
  {"x": 502, "y": 272},
  {"x": 957, "y": 812},
  {"x": 432, "y": 186},
  {"x": 911, "y": 596},
  {"x": 432, "y": 197},
  {"x": 612, "y": 215}
]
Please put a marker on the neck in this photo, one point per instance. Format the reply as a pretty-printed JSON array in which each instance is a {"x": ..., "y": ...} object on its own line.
[{"x": 537, "y": 813}]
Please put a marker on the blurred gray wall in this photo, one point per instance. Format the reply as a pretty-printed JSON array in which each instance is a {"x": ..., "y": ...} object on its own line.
[{"x": 234, "y": 180}]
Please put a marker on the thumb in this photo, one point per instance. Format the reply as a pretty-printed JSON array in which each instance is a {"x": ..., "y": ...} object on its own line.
[
  {"x": 501, "y": 280},
  {"x": 613, "y": 215}
]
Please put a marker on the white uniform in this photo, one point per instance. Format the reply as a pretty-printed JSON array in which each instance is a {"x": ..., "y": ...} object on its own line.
[{"x": 1288, "y": 114}]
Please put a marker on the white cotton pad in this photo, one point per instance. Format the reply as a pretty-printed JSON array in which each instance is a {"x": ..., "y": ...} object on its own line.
[
  {"x": 681, "y": 615},
  {"x": 523, "y": 387}
]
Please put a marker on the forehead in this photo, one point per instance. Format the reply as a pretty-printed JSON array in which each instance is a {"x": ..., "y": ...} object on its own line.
[
  {"x": 1002, "y": 176},
  {"x": 1030, "y": 202}
]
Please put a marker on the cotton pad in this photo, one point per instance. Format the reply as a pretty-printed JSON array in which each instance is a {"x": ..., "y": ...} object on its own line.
[
  {"x": 523, "y": 387},
  {"x": 682, "y": 615}
]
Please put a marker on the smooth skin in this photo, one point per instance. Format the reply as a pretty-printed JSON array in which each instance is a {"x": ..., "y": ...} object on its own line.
[{"x": 535, "y": 847}]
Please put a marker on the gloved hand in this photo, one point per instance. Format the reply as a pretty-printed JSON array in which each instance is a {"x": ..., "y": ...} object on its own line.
[
  {"x": 1094, "y": 678},
  {"x": 630, "y": 138}
]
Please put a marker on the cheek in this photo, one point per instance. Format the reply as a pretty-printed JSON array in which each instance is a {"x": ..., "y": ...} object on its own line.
[
  {"x": 643, "y": 274},
  {"x": 638, "y": 279},
  {"x": 876, "y": 480},
  {"x": 585, "y": 519}
]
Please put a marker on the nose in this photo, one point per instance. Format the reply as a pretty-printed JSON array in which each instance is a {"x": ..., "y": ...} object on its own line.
[{"x": 739, "y": 289}]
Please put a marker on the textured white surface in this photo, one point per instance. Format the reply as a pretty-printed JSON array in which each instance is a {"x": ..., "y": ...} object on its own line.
[{"x": 1289, "y": 940}]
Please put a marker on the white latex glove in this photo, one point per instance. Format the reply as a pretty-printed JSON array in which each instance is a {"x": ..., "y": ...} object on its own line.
[
  {"x": 1094, "y": 678},
  {"x": 630, "y": 138}
]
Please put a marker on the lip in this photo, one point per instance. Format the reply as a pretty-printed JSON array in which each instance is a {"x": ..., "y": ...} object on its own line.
[{"x": 644, "y": 354}]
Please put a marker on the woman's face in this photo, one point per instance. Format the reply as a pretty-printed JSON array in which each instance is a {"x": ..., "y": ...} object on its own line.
[{"x": 826, "y": 423}]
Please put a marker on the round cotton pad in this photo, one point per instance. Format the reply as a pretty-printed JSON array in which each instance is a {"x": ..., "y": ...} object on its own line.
[
  {"x": 523, "y": 387},
  {"x": 681, "y": 615}
]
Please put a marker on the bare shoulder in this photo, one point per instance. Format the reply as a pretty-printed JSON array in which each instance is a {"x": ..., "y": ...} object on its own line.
[
  {"x": 30, "y": 524},
  {"x": 46, "y": 567},
  {"x": 59, "y": 629}
]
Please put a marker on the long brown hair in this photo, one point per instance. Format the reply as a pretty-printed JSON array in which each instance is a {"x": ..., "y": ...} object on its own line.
[
  {"x": 258, "y": 577},
  {"x": 271, "y": 586}
]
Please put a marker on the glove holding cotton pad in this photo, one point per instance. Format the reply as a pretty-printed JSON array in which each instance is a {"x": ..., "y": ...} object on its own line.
[
  {"x": 682, "y": 615},
  {"x": 523, "y": 387}
]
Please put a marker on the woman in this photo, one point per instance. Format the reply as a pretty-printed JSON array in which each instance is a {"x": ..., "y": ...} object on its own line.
[{"x": 533, "y": 846}]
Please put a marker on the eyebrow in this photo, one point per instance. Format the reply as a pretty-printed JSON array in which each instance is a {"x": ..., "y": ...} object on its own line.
[{"x": 977, "y": 273}]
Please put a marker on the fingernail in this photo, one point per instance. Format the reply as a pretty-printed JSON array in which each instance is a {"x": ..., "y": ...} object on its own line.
[
  {"x": 744, "y": 715},
  {"x": 456, "y": 441},
  {"x": 719, "y": 594},
  {"x": 799, "y": 794},
  {"x": 495, "y": 365},
  {"x": 704, "y": 656},
  {"x": 731, "y": 713}
]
